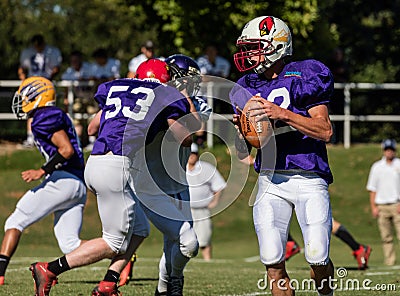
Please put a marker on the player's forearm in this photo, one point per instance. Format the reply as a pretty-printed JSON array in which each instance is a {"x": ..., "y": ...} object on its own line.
[
  {"x": 66, "y": 151},
  {"x": 94, "y": 124},
  {"x": 181, "y": 134},
  {"x": 318, "y": 127},
  {"x": 192, "y": 121},
  {"x": 63, "y": 144}
]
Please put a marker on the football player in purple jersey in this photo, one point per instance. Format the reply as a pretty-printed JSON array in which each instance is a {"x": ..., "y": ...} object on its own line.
[
  {"x": 293, "y": 166},
  {"x": 180, "y": 241},
  {"x": 63, "y": 191},
  {"x": 163, "y": 182},
  {"x": 132, "y": 111}
]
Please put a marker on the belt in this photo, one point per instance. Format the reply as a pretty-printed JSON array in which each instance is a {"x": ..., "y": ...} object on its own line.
[
  {"x": 290, "y": 172},
  {"x": 388, "y": 204}
]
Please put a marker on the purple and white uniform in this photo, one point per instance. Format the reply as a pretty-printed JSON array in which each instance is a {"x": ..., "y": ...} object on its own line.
[
  {"x": 63, "y": 192},
  {"x": 48, "y": 120},
  {"x": 133, "y": 112},
  {"x": 295, "y": 173}
]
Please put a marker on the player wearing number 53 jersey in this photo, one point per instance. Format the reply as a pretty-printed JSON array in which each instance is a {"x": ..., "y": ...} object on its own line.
[
  {"x": 293, "y": 167},
  {"x": 132, "y": 112},
  {"x": 63, "y": 191}
]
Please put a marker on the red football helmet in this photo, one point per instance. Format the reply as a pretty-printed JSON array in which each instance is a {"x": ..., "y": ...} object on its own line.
[{"x": 153, "y": 68}]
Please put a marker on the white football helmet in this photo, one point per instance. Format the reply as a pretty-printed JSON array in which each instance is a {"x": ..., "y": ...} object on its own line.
[{"x": 265, "y": 36}]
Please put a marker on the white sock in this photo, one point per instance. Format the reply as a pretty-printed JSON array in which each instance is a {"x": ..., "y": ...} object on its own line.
[{"x": 163, "y": 275}]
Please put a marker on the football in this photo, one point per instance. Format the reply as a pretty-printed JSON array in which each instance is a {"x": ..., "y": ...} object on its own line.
[{"x": 256, "y": 133}]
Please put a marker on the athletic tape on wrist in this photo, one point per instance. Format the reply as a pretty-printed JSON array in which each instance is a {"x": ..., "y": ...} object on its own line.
[
  {"x": 241, "y": 145},
  {"x": 55, "y": 162}
]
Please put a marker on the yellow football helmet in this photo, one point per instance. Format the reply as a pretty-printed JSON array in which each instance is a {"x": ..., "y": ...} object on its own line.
[{"x": 33, "y": 92}]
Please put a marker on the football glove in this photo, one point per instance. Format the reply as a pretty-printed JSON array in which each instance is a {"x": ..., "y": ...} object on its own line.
[{"x": 202, "y": 108}]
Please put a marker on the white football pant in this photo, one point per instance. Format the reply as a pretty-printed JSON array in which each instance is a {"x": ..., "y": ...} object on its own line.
[{"x": 277, "y": 196}]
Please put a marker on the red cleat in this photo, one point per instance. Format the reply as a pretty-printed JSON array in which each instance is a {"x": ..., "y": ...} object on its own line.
[
  {"x": 362, "y": 256},
  {"x": 2, "y": 280},
  {"x": 292, "y": 248},
  {"x": 106, "y": 289},
  {"x": 43, "y": 278},
  {"x": 126, "y": 274}
]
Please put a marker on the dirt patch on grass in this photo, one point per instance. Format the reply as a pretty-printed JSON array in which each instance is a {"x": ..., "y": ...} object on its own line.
[
  {"x": 15, "y": 194},
  {"x": 7, "y": 148}
]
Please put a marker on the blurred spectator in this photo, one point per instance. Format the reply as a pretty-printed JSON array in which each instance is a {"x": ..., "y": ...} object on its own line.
[
  {"x": 80, "y": 70},
  {"x": 205, "y": 187},
  {"x": 340, "y": 71},
  {"x": 384, "y": 191},
  {"x": 147, "y": 52},
  {"x": 338, "y": 66},
  {"x": 104, "y": 67},
  {"x": 213, "y": 64},
  {"x": 39, "y": 59}
]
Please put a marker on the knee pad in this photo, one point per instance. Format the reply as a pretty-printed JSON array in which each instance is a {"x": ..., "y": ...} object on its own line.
[
  {"x": 271, "y": 244},
  {"x": 271, "y": 259},
  {"x": 118, "y": 244},
  {"x": 188, "y": 243},
  {"x": 16, "y": 220},
  {"x": 317, "y": 249}
]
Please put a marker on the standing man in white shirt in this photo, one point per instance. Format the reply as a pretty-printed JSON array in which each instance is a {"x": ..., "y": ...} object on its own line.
[
  {"x": 205, "y": 187},
  {"x": 147, "y": 52},
  {"x": 384, "y": 187}
]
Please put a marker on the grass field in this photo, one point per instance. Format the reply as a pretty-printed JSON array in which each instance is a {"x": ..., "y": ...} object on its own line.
[{"x": 235, "y": 269}]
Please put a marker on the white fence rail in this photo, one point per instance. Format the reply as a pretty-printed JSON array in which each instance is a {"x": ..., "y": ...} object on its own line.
[{"x": 210, "y": 89}]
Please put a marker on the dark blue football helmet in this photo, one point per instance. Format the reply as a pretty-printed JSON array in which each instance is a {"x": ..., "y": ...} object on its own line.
[{"x": 185, "y": 73}]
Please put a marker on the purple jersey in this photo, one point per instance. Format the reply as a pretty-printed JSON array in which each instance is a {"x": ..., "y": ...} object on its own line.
[
  {"x": 299, "y": 87},
  {"x": 48, "y": 120},
  {"x": 134, "y": 111}
]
